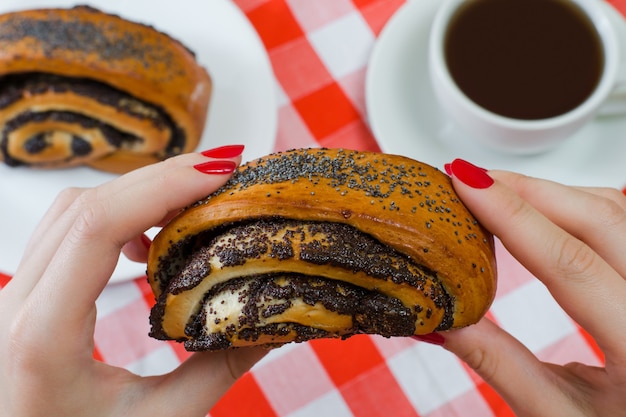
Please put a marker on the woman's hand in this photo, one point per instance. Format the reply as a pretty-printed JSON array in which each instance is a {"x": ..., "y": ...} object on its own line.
[
  {"x": 48, "y": 312},
  {"x": 574, "y": 241}
]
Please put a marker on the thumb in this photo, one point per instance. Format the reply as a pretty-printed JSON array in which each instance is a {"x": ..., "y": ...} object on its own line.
[
  {"x": 509, "y": 367},
  {"x": 487, "y": 349},
  {"x": 197, "y": 384}
]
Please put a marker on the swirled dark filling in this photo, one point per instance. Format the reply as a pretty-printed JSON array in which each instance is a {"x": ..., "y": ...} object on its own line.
[
  {"x": 271, "y": 295},
  {"x": 344, "y": 247},
  {"x": 79, "y": 146},
  {"x": 15, "y": 87},
  {"x": 37, "y": 143},
  {"x": 338, "y": 247}
]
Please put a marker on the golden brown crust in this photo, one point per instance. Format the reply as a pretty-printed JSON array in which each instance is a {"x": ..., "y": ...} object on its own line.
[
  {"x": 405, "y": 204},
  {"x": 86, "y": 43}
]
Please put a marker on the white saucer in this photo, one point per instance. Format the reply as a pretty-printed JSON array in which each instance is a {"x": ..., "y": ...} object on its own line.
[
  {"x": 405, "y": 117},
  {"x": 242, "y": 109}
]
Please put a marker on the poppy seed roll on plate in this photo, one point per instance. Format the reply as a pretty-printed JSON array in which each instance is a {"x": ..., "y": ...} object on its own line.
[
  {"x": 82, "y": 87},
  {"x": 315, "y": 243}
]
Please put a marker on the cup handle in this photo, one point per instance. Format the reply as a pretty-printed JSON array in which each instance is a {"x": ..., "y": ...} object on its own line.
[{"x": 615, "y": 105}]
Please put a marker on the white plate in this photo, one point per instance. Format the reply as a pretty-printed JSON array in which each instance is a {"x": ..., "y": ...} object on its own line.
[
  {"x": 242, "y": 109},
  {"x": 405, "y": 117}
]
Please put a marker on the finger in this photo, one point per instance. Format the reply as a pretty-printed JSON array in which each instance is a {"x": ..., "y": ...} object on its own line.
[
  {"x": 58, "y": 207},
  {"x": 107, "y": 218},
  {"x": 41, "y": 246},
  {"x": 54, "y": 225},
  {"x": 137, "y": 248},
  {"x": 607, "y": 192},
  {"x": 58, "y": 218},
  {"x": 597, "y": 216},
  {"x": 195, "y": 386},
  {"x": 587, "y": 288},
  {"x": 510, "y": 368},
  {"x": 52, "y": 230}
]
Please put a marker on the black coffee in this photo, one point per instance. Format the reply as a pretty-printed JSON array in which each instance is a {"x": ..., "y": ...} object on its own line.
[{"x": 524, "y": 59}]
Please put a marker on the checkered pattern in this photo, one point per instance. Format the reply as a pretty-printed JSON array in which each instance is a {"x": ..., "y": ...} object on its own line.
[{"x": 319, "y": 52}]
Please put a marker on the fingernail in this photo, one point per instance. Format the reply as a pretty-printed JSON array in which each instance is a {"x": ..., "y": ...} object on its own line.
[
  {"x": 432, "y": 338},
  {"x": 469, "y": 174},
  {"x": 216, "y": 167},
  {"x": 224, "y": 152},
  {"x": 145, "y": 240}
]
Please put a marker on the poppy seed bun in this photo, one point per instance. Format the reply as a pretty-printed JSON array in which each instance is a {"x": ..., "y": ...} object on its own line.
[
  {"x": 79, "y": 86},
  {"x": 321, "y": 243}
]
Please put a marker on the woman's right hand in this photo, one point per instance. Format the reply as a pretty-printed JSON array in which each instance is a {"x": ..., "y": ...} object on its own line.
[{"x": 574, "y": 241}]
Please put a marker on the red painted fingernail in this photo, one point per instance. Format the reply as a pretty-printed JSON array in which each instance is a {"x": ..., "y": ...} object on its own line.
[
  {"x": 145, "y": 240},
  {"x": 448, "y": 168},
  {"x": 223, "y": 152},
  {"x": 432, "y": 338},
  {"x": 216, "y": 167},
  {"x": 470, "y": 174}
]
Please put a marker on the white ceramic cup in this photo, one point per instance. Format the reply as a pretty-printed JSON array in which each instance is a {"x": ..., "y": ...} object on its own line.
[{"x": 516, "y": 136}]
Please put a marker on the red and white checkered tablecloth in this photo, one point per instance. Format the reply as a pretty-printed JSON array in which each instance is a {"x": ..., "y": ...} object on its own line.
[{"x": 319, "y": 50}]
